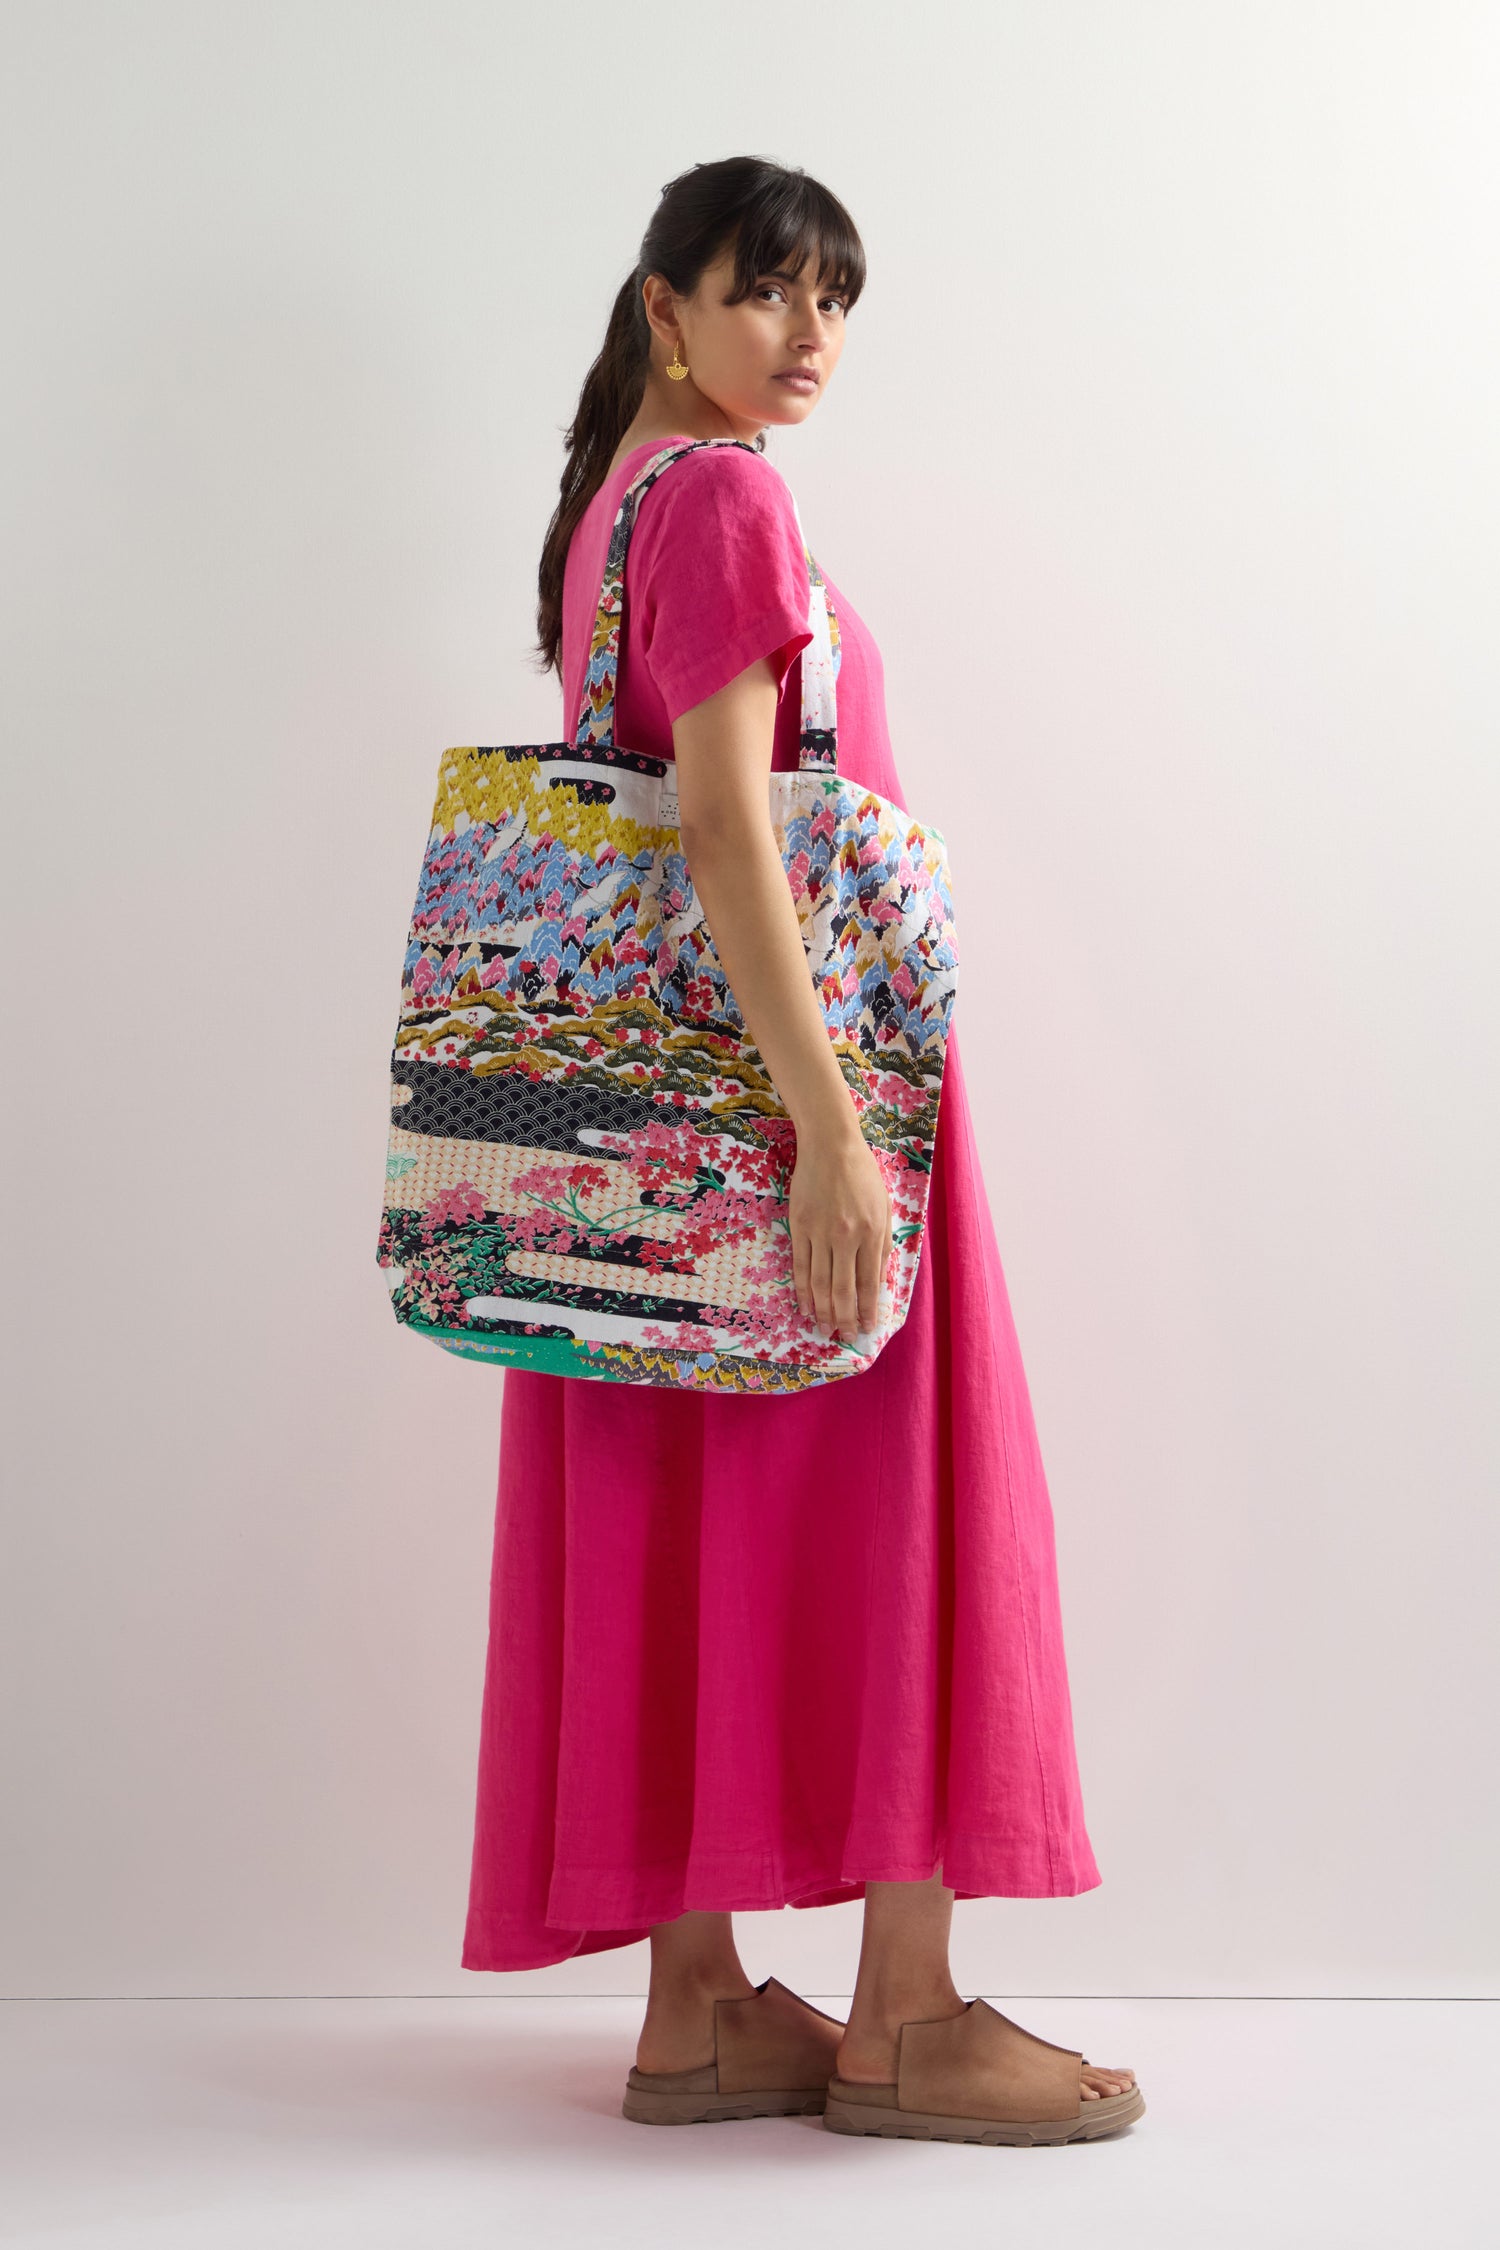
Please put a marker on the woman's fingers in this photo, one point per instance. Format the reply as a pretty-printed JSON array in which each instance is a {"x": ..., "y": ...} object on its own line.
[
  {"x": 841, "y": 1226},
  {"x": 822, "y": 1284},
  {"x": 846, "y": 1290},
  {"x": 870, "y": 1267},
  {"x": 845, "y": 1277},
  {"x": 802, "y": 1270},
  {"x": 813, "y": 1272}
]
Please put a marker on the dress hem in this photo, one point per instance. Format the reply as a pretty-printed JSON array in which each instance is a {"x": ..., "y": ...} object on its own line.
[{"x": 493, "y": 1955}]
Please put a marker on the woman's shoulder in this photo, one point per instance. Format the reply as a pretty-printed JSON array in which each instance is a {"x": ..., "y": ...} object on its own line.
[
  {"x": 725, "y": 493},
  {"x": 717, "y": 573},
  {"x": 720, "y": 466}
]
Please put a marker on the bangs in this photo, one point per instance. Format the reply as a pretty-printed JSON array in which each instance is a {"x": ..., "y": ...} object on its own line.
[{"x": 795, "y": 222}]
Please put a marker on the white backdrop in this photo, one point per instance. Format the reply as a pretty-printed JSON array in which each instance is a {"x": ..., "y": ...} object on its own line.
[{"x": 1162, "y": 462}]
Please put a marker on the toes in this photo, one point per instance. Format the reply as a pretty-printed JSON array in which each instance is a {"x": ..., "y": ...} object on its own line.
[{"x": 1097, "y": 2080}]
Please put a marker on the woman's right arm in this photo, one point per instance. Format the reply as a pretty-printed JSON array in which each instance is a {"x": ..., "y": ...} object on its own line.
[{"x": 839, "y": 1210}]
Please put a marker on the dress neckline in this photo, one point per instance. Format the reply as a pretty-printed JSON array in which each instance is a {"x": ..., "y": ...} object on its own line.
[{"x": 649, "y": 445}]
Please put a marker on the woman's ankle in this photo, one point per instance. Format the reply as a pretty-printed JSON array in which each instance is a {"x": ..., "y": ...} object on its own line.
[
  {"x": 678, "y": 2032},
  {"x": 689, "y": 1985},
  {"x": 696, "y": 1955},
  {"x": 880, "y": 2006}
]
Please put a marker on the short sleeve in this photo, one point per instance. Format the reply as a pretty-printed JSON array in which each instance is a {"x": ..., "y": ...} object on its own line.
[{"x": 716, "y": 575}]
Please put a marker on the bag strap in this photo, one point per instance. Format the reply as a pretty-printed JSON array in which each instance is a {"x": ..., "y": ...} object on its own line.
[{"x": 818, "y": 750}]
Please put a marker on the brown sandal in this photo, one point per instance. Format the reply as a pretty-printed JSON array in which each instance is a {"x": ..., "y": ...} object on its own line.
[
  {"x": 773, "y": 2054},
  {"x": 979, "y": 2077}
]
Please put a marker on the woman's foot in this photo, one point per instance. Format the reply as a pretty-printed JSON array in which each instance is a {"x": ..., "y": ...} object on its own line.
[{"x": 867, "y": 2054}]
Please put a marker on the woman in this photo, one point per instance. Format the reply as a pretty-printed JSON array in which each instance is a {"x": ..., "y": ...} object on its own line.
[{"x": 753, "y": 1652}]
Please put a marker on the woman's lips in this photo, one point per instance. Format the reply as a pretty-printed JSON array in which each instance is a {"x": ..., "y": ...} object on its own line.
[{"x": 798, "y": 382}]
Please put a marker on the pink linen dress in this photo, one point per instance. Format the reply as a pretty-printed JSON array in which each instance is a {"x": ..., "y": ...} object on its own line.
[{"x": 757, "y": 1652}]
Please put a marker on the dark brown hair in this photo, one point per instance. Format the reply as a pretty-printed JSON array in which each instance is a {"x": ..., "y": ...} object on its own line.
[{"x": 775, "y": 216}]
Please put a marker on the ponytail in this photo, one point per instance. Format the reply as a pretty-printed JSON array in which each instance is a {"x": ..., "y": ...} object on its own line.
[{"x": 606, "y": 408}]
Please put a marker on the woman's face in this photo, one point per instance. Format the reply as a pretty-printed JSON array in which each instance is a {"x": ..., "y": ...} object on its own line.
[{"x": 738, "y": 355}]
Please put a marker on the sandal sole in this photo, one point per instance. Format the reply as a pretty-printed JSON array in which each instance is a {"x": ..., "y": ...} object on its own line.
[
  {"x": 882, "y": 2120},
  {"x": 645, "y": 2107}
]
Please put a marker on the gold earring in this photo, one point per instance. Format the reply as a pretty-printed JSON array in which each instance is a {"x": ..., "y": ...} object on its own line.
[{"x": 675, "y": 367}]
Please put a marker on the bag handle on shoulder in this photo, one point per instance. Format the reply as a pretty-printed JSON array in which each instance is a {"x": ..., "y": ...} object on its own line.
[{"x": 818, "y": 751}]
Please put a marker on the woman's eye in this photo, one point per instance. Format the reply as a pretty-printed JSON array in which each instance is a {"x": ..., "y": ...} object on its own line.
[{"x": 767, "y": 286}]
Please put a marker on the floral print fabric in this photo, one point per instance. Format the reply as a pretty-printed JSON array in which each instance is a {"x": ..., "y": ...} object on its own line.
[{"x": 588, "y": 1162}]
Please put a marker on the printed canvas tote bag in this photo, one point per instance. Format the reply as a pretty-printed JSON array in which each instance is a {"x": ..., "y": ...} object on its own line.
[{"x": 588, "y": 1164}]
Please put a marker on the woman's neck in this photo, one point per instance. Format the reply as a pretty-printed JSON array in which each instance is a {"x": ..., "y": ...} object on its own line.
[{"x": 658, "y": 419}]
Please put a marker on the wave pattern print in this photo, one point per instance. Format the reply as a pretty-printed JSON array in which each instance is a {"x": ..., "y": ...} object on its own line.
[{"x": 588, "y": 1162}]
